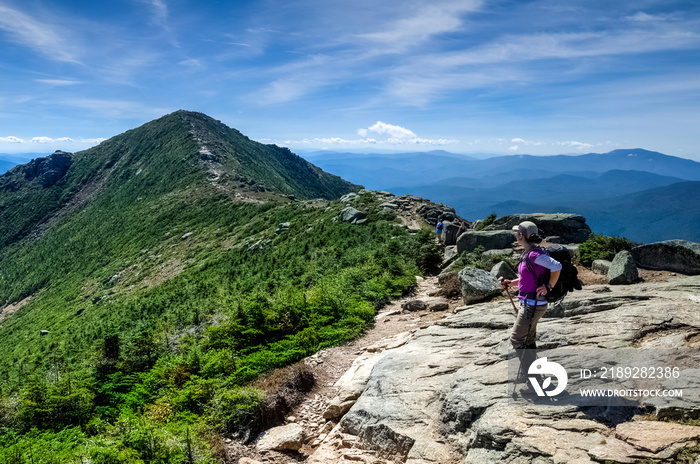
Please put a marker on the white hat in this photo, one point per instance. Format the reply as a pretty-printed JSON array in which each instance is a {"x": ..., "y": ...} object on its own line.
[{"x": 527, "y": 228}]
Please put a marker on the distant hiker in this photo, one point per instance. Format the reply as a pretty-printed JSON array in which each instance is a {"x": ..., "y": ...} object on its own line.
[
  {"x": 438, "y": 229},
  {"x": 534, "y": 263},
  {"x": 462, "y": 229}
]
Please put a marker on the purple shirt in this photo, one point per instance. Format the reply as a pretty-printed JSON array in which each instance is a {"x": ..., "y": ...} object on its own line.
[{"x": 539, "y": 262}]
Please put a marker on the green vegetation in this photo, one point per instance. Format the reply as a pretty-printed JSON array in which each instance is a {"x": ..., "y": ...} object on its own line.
[
  {"x": 154, "y": 302},
  {"x": 490, "y": 219},
  {"x": 599, "y": 246}
]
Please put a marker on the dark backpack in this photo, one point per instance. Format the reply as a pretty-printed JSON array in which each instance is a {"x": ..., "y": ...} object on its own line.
[{"x": 568, "y": 279}]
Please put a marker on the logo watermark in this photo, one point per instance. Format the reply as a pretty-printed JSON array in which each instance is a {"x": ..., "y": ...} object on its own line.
[{"x": 606, "y": 377}]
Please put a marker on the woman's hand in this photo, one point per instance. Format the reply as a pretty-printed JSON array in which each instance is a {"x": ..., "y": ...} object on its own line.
[{"x": 542, "y": 290}]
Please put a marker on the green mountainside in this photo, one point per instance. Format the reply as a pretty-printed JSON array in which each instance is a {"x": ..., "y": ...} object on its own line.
[{"x": 146, "y": 282}]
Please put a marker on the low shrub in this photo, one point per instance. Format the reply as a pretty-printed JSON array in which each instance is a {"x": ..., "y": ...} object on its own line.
[{"x": 599, "y": 246}]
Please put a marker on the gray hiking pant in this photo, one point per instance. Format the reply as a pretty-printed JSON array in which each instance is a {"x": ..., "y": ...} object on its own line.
[{"x": 524, "y": 330}]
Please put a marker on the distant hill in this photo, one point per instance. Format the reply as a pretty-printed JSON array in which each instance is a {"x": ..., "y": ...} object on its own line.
[
  {"x": 513, "y": 184},
  {"x": 5, "y": 166}
]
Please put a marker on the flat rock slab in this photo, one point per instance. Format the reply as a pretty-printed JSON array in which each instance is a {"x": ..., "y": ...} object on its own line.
[{"x": 443, "y": 396}]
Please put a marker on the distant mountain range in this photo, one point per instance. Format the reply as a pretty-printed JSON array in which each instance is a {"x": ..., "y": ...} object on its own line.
[{"x": 624, "y": 192}]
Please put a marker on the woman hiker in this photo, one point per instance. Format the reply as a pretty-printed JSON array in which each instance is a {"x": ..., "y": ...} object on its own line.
[{"x": 534, "y": 263}]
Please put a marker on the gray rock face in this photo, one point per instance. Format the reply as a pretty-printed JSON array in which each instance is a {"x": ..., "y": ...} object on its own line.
[
  {"x": 489, "y": 239},
  {"x": 449, "y": 233},
  {"x": 570, "y": 228},
  {"x": 671, "y": 255},
  {"x": 503, "y": 270},
  {"x": 623, "y": 270},
  {"x": 352, "y": 215},
  {"x": 601, "y": 266},
  {"x": 478, "y": 285},
  {"x": 443, "y": 395}
]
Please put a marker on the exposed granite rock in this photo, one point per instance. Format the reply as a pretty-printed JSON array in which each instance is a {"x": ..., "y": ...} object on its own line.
[
  {"x": 601, "y": 266},
  {"x": 570, "y": 228},
  {"x": 489, "y": 239},
  {"x": 671, "y": 255},
  {"x": 352, "y": 215},
  {"x": 623, "y": 270},
  {"x": 478, "y": 285},
  {"x": 443, "y": 395},
  {"x": 285, "y": 437}
]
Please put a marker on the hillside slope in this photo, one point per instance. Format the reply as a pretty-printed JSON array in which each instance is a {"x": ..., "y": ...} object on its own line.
[{"x": 145, "y": 283}]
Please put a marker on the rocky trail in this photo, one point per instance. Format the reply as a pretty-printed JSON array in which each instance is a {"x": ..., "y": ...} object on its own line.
[{"x": 432, "y": 386}]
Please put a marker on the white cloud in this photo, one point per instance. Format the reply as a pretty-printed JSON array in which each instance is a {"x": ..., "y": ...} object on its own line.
[
  {"x": 421, "y": 24},
  {"x": 576, "y": 145},
  {"x": 395, "y": 132},
  {"x": 51, "y": 140},
  {"x": 643, "y": 17},
  {"x": 58, "y": 82},
  {"x": 526, "y": 142},
  {"x": 514, "y": 148},
  {"x": 386, "y": 134},
  {"x": 47, "y": 39},
  {"x": 11, "y": 139}
]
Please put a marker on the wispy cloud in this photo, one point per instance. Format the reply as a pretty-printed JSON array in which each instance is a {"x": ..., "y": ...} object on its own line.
[
  {"x": 58, "y": 82},
  {"x": 420, "y": 24},
  {"x": 48, "y": 39}
]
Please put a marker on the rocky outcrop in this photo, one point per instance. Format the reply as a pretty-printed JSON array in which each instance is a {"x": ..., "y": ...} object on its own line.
[
  {"x": 623, "y": 270},
  {"x": 672, "y": 255},
  {"x": 569, "y": 228},
  {"x": 434, "y": 212},
  {"x": 353, "y": 215},
  {"x": 443, "y": 396},
  {"x": 488, "y": 239}
]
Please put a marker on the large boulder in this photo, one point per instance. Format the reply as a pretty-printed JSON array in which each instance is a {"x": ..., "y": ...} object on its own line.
[
  {"x": 449, "y": 233},
  {"x": 570, "y": 228},
  {"x": 623, "y": 270},
  {"x": 671, "y": 255},
  {"x": 601, "y": 266},
  {"x": 489, "y": 239},
  {"x": 478, "y": 285},
  {"x": 352, "y": 215},
  {"x": 503, "y": 270},
  {"x": 286, "y": 437}
]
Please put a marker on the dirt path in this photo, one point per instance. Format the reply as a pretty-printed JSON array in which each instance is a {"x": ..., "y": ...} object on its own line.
[{"x": 330, "y": 364}]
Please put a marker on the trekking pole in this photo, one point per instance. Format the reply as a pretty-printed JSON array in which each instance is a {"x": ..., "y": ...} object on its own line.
[{"x": 515, "y": 310}]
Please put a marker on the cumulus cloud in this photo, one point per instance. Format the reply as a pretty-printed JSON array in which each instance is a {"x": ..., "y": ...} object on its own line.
[
  {"x": 51, "y": 140},
  {"x": 576, "y": 145},
  {"x": 11, "y": 139},
  {"x": 394, "y": 132},
  {"x": 397, "y": 135},
  {"x": 379, "y": 133}
]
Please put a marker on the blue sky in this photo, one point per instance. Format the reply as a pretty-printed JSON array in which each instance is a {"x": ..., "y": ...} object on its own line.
[{"x": 536, "y": 77}]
